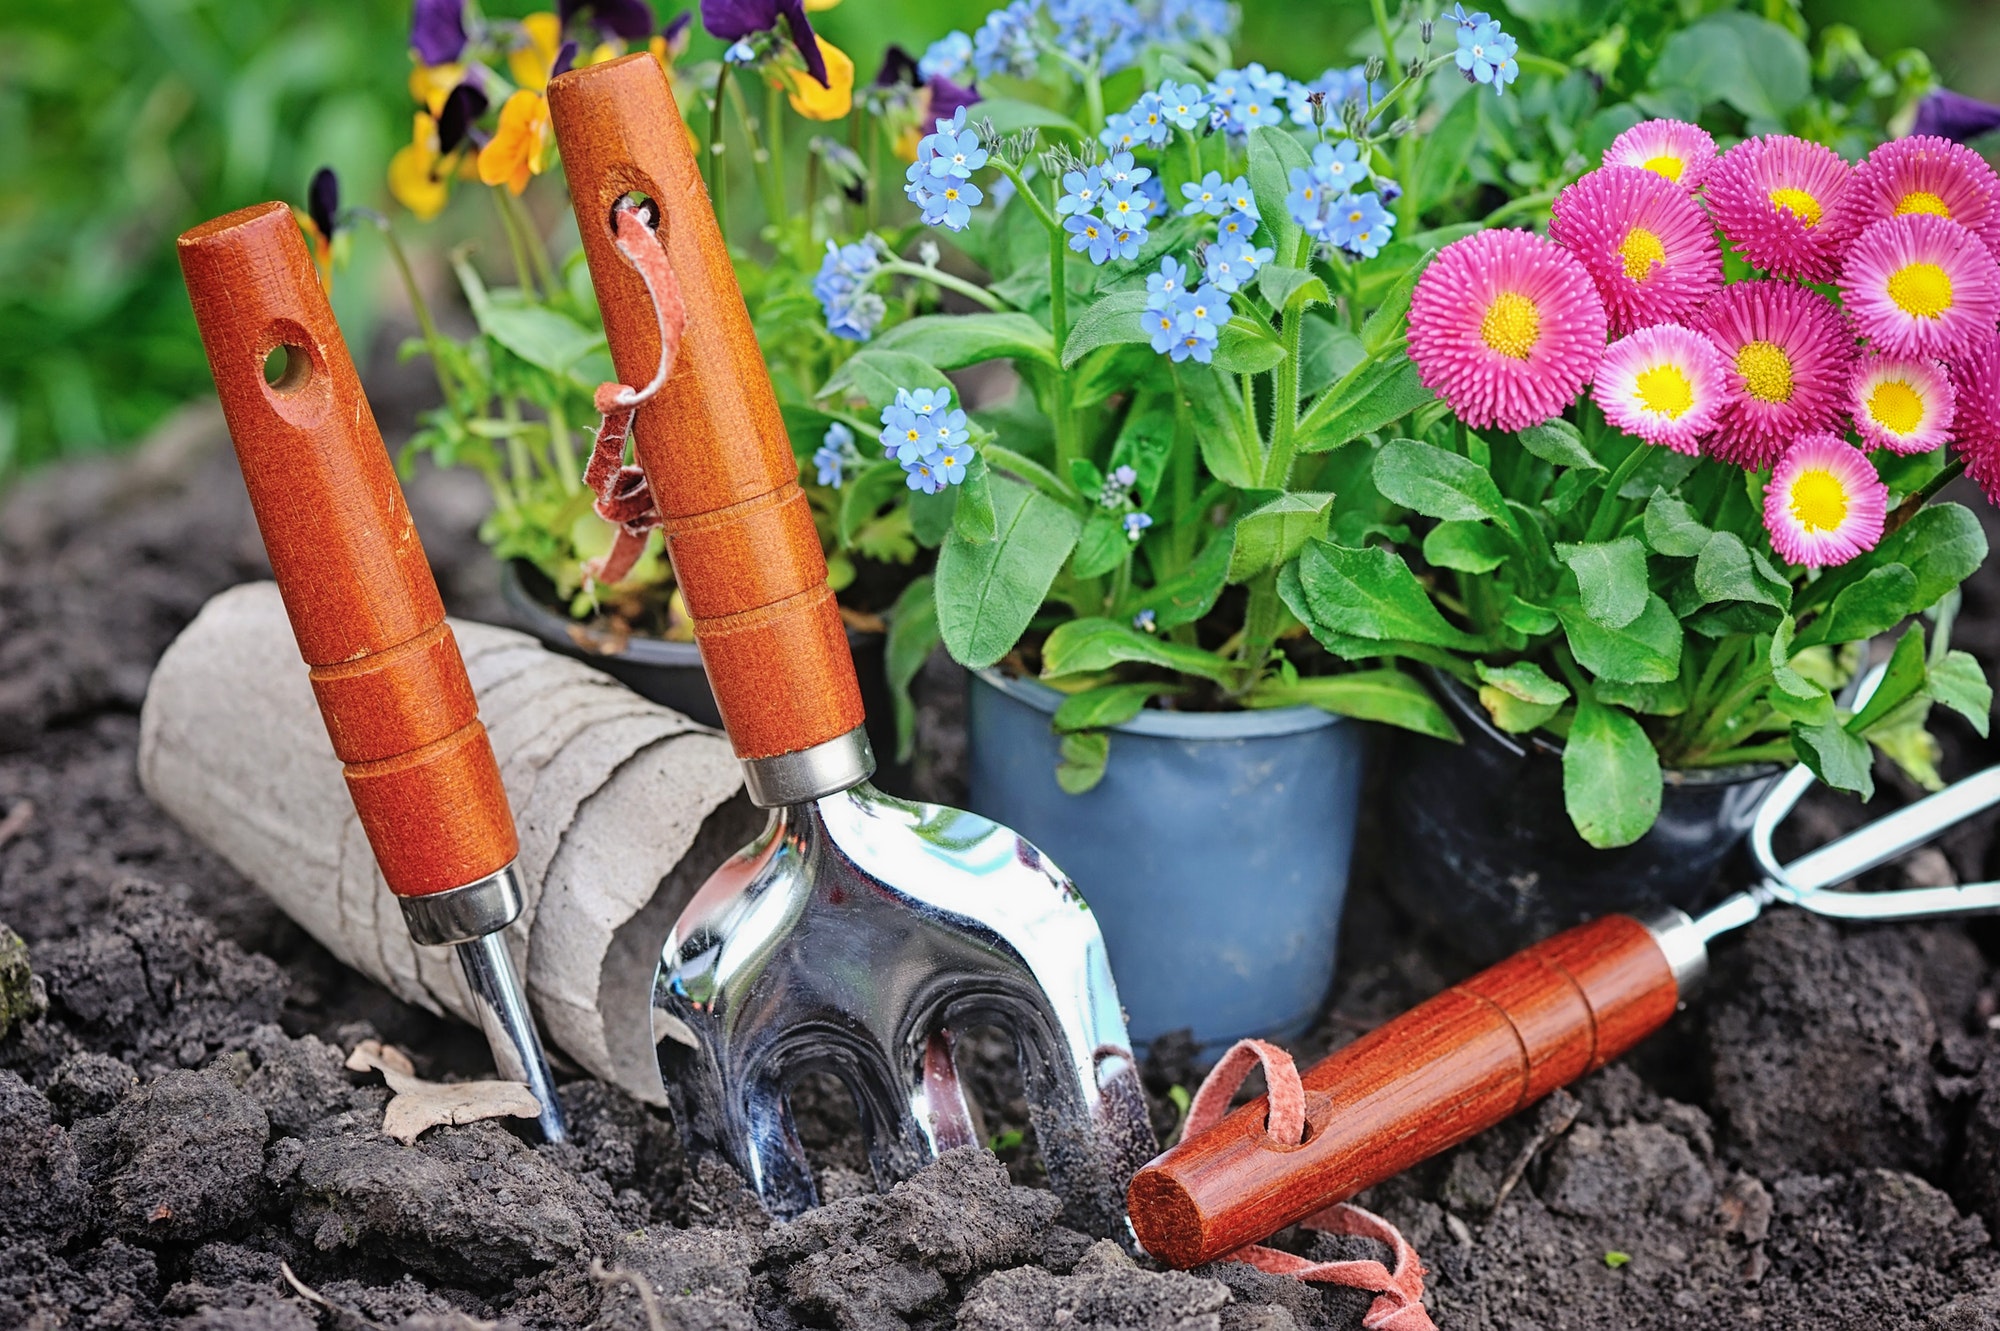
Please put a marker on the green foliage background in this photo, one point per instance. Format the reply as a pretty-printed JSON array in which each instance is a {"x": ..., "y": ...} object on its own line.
[{"x": 122, "y": 122}]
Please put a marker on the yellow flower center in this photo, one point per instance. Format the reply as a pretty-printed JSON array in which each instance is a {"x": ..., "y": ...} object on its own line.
[
  {"x": 1665, "y": 390},
  {"x": 1922, "y": 290},
  {"x": 1798, "y": 203},
  {"x": 1766, "y": 371},
  {"x": 1670, "y": 167},
  {"x": 1896, "y": 407},
  {"x": 1512, "y": 325},
  {"x": 1641, "y": 249},
  {"x": 1922, "y": 201},
  {"x": 1819, "y": 500}
]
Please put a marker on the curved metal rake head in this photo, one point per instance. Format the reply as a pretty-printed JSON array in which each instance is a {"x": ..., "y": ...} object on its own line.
[{"x": 853, "y": 938}]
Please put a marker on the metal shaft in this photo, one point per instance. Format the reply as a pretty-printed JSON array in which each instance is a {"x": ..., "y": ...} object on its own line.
[{"x": 510, "y": 1030}]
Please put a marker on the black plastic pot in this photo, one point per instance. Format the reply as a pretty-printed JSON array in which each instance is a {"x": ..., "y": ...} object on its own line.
[
  {"x": 1481, "y": 849},
  {"x": 670, "y": 673}
]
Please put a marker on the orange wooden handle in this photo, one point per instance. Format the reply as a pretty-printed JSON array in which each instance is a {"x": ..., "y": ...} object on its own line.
[
  {"x": 1409, "y": 1089},
  {"x": 713, "y": 445},
  {"x": 363, "y": 605}
]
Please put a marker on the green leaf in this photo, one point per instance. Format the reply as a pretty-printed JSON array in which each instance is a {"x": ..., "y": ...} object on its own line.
[
  {"x": 974, "y": 519},
  {"x": 1281, "y": 285},
  {"x": 1188, "y": 595},
  {"x": 931, "y": 516},
  {"x": 1272, "y": 533},
  {"x": 1668, "y": 699},
  {"x": 1610, "y": 577},
  {"x": 1240, "y": 350},
  {"x": 868, "y": 380},
  {"x": 1384, "y": 328},
  {"x": 1230, "y": 456},
  {"x": 537, "y": 334},
  {"x": 1942, "y": 544},
  {"x": 1519, "y": 697},
  {"x": 1084, "y": 755},
  {"x": 1560, "y": 443},
  {"x": 1724, "y": 572},
  {"x": 1902, "y": 679},
  {"x": 1446, "y": 150},
  {"x": 1959, "y": 683},
  {"x": 1382, "y": 391},
  {"x": 1611, "y": 776},
  {"x": 1371, "y": 593},
  {"x": 1873, "y": 605},
  {"x": 1468, "y": 547},
  {"x": 1385, "y": 695},
  {"x": 1327, "y": 352},
  {"x": 1527, "y": 617},
  {"x": 864, "y": 494},
  {"x": 1750, "y": 63},
  {"x": 1671, "y": 527},
  {"x": 1146, "y": 444},
  {"x": 1904, "y": 739},
  {"x": 1274, "y": 154},
  {"x": 1082, "y": 645},
  {"x": 1102, "y": 547},
  {"x": 1794, "y": 696},
  {"x": 1107, "y": 706},
  {"x": 987, "y": 593},
  {"x": 1836, "y": 757},
  {"x": 954, "y": 341},
  {"x": 1645, "y": 651},
  {"x": 1110, "y": 319},
  {"x": 913, "y": 632},
  {"x": 1438, "y": 483}
]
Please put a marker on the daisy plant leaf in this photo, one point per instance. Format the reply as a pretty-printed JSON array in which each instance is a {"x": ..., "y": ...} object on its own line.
[
  {"x": 1873, "y": 605},
  {"x": 1836, "y": 757},
  {"x": 1671, "y": 527},
  {"x": 1611, "y": 776},
  {"x": 1561, "y": 443},
  {"x": 1467, "y": 547},
  {"x": 1272, "y": 532},
  {"x": 1439, "y": 483},
  {"x": 1371, "y": 593},
  {"x": 1378, "y": 392},
  {"x": 1611, "y": 578},
  {"x": 1959, "y": 682},
  {"x": 1902, "y": 679},
  {"x": 1519, "y": 697},
  {"x": 1942, "y": 545},
  {"x": 1108, "y": 705},
  {"x": 1645, "y": 651},
  {"x": 1387, "y": 696},
  {"x": 1724, "y": 571}
]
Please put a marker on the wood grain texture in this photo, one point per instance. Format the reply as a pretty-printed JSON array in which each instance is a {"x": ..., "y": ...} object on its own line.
[
  {"x": 356, "y": 586},
  {"x": 1418, "y": 1085},
  {"x": 738, "y": 527}
]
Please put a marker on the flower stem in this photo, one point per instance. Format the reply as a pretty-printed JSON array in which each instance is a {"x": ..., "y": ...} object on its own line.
[
  {"x": 774, "y": 138},
  {"x": 1260, "y": 630},
  {"x": 1285, "y": 402},
  {"x": 1068, "y": 446},
  {"x": 531, "y": 241},
  {"x": 1917, "y": 499},
  {"x": 523, "y": 276},
  {"x": 938, "y": 277},
  {"x": 421, "y": 308},
  {"x": 562, "y": 451},
  {"x": 718, "y": 164},
  {"x": 1093, "y": 103},
  {"x": 1604, "y": 520},
  {"x": 1382, "y": 30}
]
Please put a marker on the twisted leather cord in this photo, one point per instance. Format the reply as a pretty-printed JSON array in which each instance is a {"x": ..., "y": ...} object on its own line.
[
  {"x": 623, "y": 497},
  {"x": 1399, "y": 1302}
]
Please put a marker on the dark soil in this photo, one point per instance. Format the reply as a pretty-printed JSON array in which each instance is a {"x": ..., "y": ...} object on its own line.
[{"x": 1815, "y": 1144}]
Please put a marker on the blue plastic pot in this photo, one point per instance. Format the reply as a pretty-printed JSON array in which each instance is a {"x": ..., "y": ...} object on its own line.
[{"x": 1214, "y": 852}]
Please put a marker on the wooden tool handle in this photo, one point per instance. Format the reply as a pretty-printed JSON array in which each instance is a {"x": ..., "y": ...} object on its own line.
[
  {"x": 356, "y": 586},
  {"x": 1424, "y": 1082},
  {"x": 712, "y": 444}
]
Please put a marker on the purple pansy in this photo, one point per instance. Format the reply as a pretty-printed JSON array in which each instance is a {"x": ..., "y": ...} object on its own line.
[
  {"x": 437, "y": 30},
  {"x": 1953, "y": 115},
  {"x": 732, "y": 20},
  {"x": 323, "y": 201},
  {"x": 631, "y": 19}
]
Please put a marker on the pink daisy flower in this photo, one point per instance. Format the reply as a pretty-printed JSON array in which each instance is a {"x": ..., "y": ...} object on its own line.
[
  {"x": 1976, "y": 379},
  {"x": 1824, "y": 504},
  {"x": 1665, "y": 384},
  {"x": 1905, "y": 406},
  {"x": 1648, "y": 246},
  {"x": 1918, "y": 285},
  {"x": 1774, "y": 198},
  {"x": 1506, "y": 327},
  {"x": 1923, "y": 175},
  {"x": 1789, "y": 356},
  {"x": 1681, "y": 152}
]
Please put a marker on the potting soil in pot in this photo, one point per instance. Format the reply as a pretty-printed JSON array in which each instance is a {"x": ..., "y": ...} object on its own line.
[{"x": 1817, "y": 1144}]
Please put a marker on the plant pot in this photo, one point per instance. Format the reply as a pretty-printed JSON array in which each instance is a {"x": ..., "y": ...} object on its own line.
[
  {"x": 1481, "y": 849},
  {"x": 671, "y": 674},
  {"x": 1214, "y": 852}
]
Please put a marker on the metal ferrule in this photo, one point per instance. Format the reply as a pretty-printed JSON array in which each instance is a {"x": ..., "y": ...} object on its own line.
[
  {"x": 465, "y": 913},
  {"x": 1683, "y": 944},
  {"x": 805, "y": 775}
]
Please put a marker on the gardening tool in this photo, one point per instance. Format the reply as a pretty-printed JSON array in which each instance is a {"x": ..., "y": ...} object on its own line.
[
  {"x": 364, "y": 608},
  {"x": 859, "y": 932},
  {"x": 1472, "y": 1056}
]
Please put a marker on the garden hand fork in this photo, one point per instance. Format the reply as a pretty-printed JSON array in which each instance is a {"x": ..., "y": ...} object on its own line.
[
  {"x": 859, "y": 931},
  {"x": 365, "y": 610},
  {"x": 1468, "y": 1058}
]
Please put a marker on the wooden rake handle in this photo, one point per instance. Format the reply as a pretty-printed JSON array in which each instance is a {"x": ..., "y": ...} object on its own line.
[
  {"x": 712, "y": 444},
  {"x": 1451, "y": 1067},
  {"x": 360, "y": 595}
]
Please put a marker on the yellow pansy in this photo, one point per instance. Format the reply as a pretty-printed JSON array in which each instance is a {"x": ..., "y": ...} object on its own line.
[
  {"x": 814, "y": 6},
  {"x": 530, "y": 63},
  {"x": 431, "y": 84},
  {"x": 912, "y": 135},
  {"x": 811, "y": 100},
  {"x": 520, "y": 144},
  {"x": 414, "y": 178}
]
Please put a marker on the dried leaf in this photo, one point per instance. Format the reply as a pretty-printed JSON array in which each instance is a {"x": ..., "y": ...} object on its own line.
[{"x": 419, "y": 1105}]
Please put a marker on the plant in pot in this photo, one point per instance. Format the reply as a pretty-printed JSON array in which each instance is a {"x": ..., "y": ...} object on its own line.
[
  {"x": 517, "y": 389},
  {"x": 1641, "y": 602}
]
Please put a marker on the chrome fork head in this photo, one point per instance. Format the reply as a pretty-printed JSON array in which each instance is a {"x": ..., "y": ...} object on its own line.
[{"x": 853, "y": 938}]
